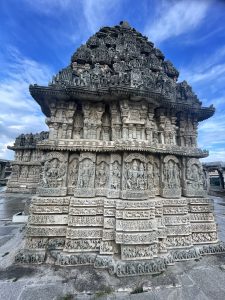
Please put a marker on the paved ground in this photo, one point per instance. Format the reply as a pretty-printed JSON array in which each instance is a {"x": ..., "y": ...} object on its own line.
[{"x": 197, "y": 280}]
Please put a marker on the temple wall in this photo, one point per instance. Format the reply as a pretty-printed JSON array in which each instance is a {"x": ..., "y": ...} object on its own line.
[
  {"x": 26, "y": 165},
  {"x": 121, "y": 186},
  {"x": 125, "y": 119}
]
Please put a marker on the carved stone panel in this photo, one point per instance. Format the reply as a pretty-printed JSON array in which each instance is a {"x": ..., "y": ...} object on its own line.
[
  {"x": 73, "y": 168},
  {"x": 86, "y": 175},
  {"x": 102, "y": 175},
  {"x": 194, "y": 180},
  {"x": 53, "y": 178},
  {"x": 115, "y": 176},
  {"x": 135, "y": 177},
  {"x": 171, "y": 178},
  {"x": 134, "y": 252}
]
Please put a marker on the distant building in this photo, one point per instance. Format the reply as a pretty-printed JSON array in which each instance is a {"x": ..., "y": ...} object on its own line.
[
  {"x": 216, "y": 173},
  {"x": 27, "y": 163},
  {"x": 5, "y": 171}
]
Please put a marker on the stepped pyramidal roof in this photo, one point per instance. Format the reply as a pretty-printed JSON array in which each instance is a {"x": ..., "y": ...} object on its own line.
[{"x": 120, "y": 62}]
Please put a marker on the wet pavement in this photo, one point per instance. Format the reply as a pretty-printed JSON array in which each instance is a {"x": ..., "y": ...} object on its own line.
[
  {"x": 202, "y": 279},
  {"x": 11, "y": 204}
]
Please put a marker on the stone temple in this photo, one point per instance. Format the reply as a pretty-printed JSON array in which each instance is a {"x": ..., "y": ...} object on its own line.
[{"x": 121, "y": 185}]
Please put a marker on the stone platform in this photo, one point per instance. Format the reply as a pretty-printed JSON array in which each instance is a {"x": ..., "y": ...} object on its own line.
[{"x": 202, "y": 278}]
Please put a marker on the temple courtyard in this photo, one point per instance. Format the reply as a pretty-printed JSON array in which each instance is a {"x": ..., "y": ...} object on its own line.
[{"x": 193, "y": 279}]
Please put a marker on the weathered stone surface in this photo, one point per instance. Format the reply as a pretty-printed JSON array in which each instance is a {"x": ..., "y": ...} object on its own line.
[
  {"x": 26, "y": 166},
  {"x": 120, "y": 177}
]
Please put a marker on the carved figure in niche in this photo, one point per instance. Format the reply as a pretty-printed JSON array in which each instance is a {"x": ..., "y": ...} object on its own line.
[
  {"x": 105, "y": 134},
  {"x": 115, "y": 181},
  {"x": 86, "y": 173},
  {"x": 150, "y": 176},
  {"x": 15, "y": 170},
  {"x": 156, "y": 176},
  {"x": 78, "y": 125},
  {"x": 26, "y": 156},
  {"x": 205, "y": 180},
  {"x": 195, "y": 176},
  {"x": 141, "y": 177},
  {"x": 172, "y": 174},
  {"x": 31, "y": 171},
  {"x": 53, "y": 173},
  {"x": 102, "y": 175},
  {"x": 24, "y": 171},
  {"x": 36, "y": 170},
  {"x": 73, "y": 173},
  {"x": 136, "y": 175}
]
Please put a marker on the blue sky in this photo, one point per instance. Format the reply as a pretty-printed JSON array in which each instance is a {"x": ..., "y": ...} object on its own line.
[{"x": 38, "y": 37}]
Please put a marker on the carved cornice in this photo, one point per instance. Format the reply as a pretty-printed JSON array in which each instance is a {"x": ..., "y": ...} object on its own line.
[
  {"x": 26, "y": 163},
  {"x": 43, "y": 95},
  {"x": 120, "y": 145},
  {"x": 27, "y": 147}
]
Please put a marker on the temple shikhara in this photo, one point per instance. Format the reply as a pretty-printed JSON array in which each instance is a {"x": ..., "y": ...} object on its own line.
[{"x": 121, "y": 186}]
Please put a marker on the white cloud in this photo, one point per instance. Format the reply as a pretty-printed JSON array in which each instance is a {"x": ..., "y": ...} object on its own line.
[
  {"x": 175, "y": 18},
  {"x": 19, "y": 112},
  {"x": 99, "y": 12},
  {"x": 212, "y": 137},
  {"x": 215, "y": 155}
]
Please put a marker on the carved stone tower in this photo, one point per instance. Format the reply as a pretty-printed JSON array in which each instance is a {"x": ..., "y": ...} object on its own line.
[{"x": 121, "y": 183}]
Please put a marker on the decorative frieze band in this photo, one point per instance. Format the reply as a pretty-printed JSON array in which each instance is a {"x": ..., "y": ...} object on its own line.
[
  {"x": 89, "y": 221},
  {"x": 173, "y": 202},
  {"x": 87, "y": 202},
  {"x": 48, "y": 219},
  {"x": 51, "y": 201},
  {"x": 204, "y": 237},
  {"x": 178, "y": 230},
  {"x": 84, "y": 233},
  {"x": 79, "y": 211},
  {"x": 201, "y": 217},
  {"x": 201, "y": 208},
  {"x": 136, "y": 238},
  {"x": 200, "y": 201},
  {"x": 38, "y": 209},
  {"x": 176, "y": 220},
  {"x": 46, "y": 231},
  {"x": 135, "y": 214},
  {"x": 203, "y": 227},
  {"x": 83, "y": 245},
  {"x": 122, "y": 204},
  {"x": 175, "y": 210},
  {"x": 134, "y": 252},
  {"x": 136, "y": 225}
]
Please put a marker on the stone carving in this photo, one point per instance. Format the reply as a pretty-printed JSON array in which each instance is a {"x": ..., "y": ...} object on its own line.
[
  {"x": 204, "y": 237},
  {"x": 201, "y": 217},
  {"x": 171, "y": 178},
  {"x": 73, "y": 173},
  {"x": 86, "y": 176},
  {"x": 194, "y": 179},
  {"x": 120, "y": 185},
  {"x": 26, "y": 166},
  {"x": 53, "y": 177},
  {"x": 137, "y": 252},
  {"x": 102, "y": 176},
  {"x": 135, "y": 177},
  {"x": 115, "y": 177},
  {"x": 35, "y": 258},
  {"x": 82, "y": 245}
]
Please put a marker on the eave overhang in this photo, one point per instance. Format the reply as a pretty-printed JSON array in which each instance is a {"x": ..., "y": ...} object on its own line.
[{"x": 45, "y": 95}]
